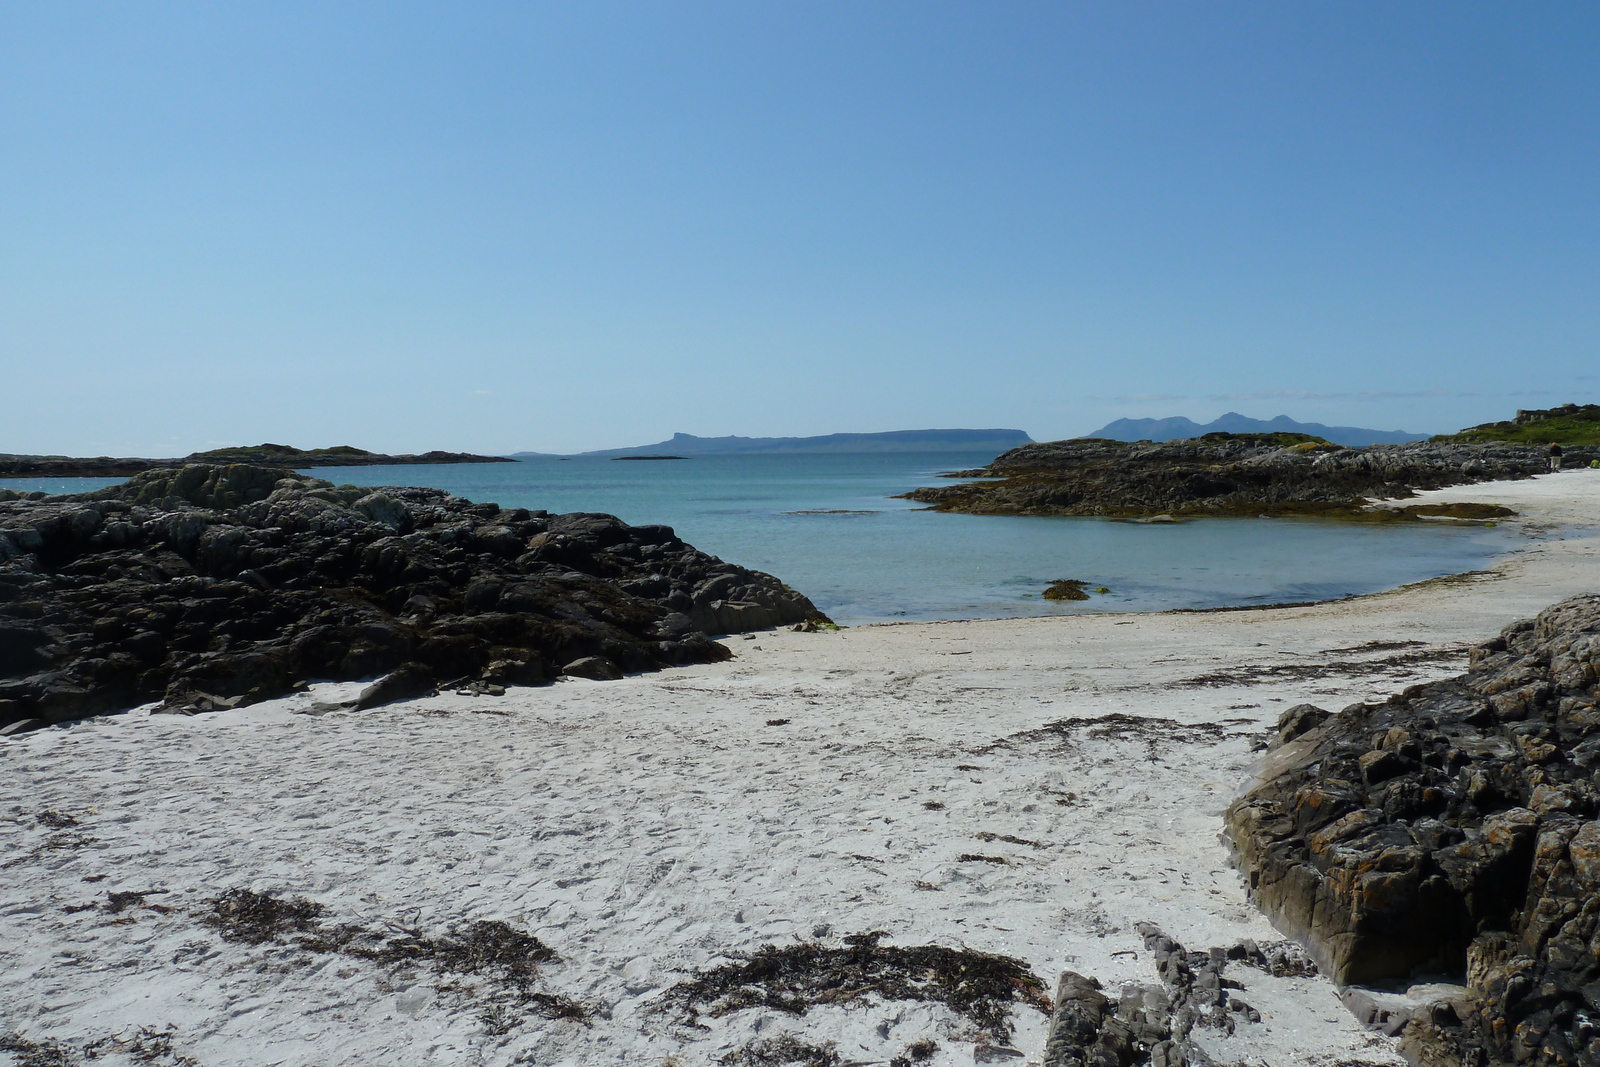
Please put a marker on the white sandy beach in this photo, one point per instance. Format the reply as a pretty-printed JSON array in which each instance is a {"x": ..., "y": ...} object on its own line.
[{"x": 646, "y": 828}]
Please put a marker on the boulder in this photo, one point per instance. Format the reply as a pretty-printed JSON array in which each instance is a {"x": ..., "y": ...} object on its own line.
[
  {"x": 1450, "y": 830},
  {"x": 406, "y": 682},
  {"x": 598, "y": 668}
]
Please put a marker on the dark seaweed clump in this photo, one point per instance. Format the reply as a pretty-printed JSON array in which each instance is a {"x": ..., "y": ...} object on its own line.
[
  {"x": 487, "y": 947},
  {"x": 507, "y": 956},
  {"x": 795, "y": 978},
  {"x": 26, "y": 1053},
  {"x": 258, "y": 918},
  {"x": 785, "y": 1048},
  {"x": 147, "y": 1045}
]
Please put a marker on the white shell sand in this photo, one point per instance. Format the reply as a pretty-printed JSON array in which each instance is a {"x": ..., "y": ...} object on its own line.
[{"x": 645, "y": 828}]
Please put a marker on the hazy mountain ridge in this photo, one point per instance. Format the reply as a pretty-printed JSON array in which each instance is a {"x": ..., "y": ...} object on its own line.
[
  {"x": 1179, "y": 428},
  {"x": 684, "y": 444}
]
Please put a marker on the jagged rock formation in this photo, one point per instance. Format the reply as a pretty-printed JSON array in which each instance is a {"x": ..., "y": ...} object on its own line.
[
  {"x": 212, "y": 586},
  {"x": 1225, "y": 474},
  {"x": 1154, "y": 1024},
  {"x": 1452, "y": 829}
]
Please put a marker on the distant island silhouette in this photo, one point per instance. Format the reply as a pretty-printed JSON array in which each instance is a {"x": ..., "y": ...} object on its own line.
[
  {"x": 263, "y": 455},
  {"x": 1179, "y": 428},
  {"x": 683, "y": 444}
]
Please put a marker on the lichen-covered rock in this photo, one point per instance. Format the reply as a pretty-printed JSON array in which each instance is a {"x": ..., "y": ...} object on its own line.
[
  {"x": 1452, "y": 829},
  {"x": 211, "y": 586}
]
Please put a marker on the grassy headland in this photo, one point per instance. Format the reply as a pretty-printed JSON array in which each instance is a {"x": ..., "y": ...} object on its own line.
[{"x": 1569, "y": 424}]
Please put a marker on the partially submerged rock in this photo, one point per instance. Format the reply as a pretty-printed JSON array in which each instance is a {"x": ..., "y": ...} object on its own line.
[
  {"x": 217, "y": 586},
  {"x": 1451, "y": 830}
]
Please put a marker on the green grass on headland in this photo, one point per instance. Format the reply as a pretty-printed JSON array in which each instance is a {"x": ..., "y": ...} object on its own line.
[{"x": 1569, "y": 424}]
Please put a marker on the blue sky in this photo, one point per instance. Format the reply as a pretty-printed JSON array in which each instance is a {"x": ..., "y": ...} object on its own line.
[{"x": 565, "y": 226}]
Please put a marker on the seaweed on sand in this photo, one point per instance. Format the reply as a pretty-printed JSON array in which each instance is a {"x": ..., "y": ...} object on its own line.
[
  {"x": 1155, "y": 732},
  {"x": 26, "y": 1053},
  {"x": 785, "y": 1048},
  {"x": 146, "y": 1045},
  {"x": 916, "y": 1052},
  {"x": 259, "y": 918},
  {"x": 795, "y": 978},
  {"x": 497, "y": 950},
  {"x": 117, "y": 903},
  {"x": 508, "y": 957},
  {"x": 986, "y": 835}
]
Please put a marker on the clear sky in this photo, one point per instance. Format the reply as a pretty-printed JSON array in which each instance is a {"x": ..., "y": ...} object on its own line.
[{"x": 554, "y": 226}]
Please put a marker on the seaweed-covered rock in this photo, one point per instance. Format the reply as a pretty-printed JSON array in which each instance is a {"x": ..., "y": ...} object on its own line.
[
  {"x": 214, "y": 586},
  {"x": 1452, "y": 829},
  {"x": 1233, "y": 474}
]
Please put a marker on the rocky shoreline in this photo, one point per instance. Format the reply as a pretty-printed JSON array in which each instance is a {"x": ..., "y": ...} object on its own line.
[
  {"x": 1449, "y": 835},
  {"x": 266, "y": 455},
  {"x": 1229, "y": 475},
  {"x": 1047, "y": 791},
  {"x": 218, "y": 586}
]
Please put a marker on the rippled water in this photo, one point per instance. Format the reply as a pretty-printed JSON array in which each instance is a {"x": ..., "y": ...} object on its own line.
[{"x": 828, "y": 526}]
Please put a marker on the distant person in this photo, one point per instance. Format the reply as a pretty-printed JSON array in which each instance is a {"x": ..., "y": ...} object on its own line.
[{"x": 1555, "y": 457}]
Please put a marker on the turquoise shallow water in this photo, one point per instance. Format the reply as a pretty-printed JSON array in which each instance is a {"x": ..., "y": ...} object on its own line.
[{"x": 883, "y": 559}]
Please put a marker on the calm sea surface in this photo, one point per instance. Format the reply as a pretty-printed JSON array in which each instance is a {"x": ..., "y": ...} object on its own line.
[{"x": 827, "y": 525}]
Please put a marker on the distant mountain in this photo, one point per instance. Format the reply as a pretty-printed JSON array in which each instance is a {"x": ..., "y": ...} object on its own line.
[
  {"x": 1176, "y": 429},
  {"x": 684, "y": 444}
]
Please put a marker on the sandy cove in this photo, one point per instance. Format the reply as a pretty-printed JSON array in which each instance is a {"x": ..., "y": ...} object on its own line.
[{"x": 815, "y": 786}]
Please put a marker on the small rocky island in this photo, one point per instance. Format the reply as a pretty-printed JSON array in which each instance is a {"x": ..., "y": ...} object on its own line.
[
  {"x": 212, "y": 586},
  {"x": 266, "y": 455},
  {"x": 1224, "y": 474}
]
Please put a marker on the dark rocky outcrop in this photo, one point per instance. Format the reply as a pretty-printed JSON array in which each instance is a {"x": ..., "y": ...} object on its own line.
[
  {"x": 1229, "y": 474},
  {"x": 215, "y": 586},
  {"x": 1452, "y": 829},
  {"x": 1151, "y": 1025},
  {"x": 264, "y": 455}
]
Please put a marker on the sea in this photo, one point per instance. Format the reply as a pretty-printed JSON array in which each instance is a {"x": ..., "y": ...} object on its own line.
[{"x": 832, "y": 527}]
